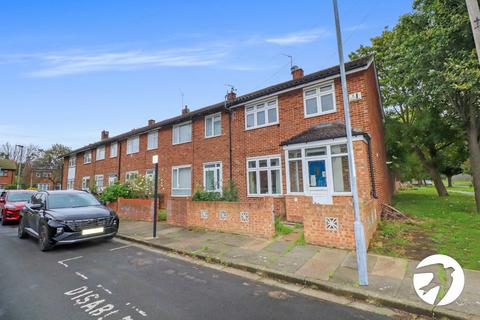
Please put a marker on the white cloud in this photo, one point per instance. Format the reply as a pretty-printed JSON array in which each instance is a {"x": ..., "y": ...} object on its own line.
[
  {"x": 299, "y": 37},
  {"x": 76, "y": 63}
]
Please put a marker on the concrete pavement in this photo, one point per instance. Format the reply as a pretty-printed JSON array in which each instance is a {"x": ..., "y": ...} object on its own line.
[
  {"x": 390, "y": 279},
  {"x": 111, "y": 280}
]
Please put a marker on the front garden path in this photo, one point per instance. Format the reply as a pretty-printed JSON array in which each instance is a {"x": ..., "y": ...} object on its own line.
[{"x": 286, "y": 258}]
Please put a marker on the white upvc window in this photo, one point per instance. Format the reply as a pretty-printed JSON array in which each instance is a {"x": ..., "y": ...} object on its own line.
[
  {"x": 152, "y": 141},
  {"x": 99, "y": 181},
  {"x": 182, "y": 133},
  {"x": 212, "y": 176},
  {"x": 113, "y": 149},
  {"x": 72, "y": 161},
  {"x": 261, "y": 114},
  {"x": 130, "y": 175},
  {"x": 182, "y": 180},
  {"x": 213, "y": 125},
  {"x": 112, "y": 179},
  {"x": 85, "y": 183},
  {"x": 100, "y": 153},
  {"x": 318, "y": 169},
  {"x": 149, "y": 174},
  {"x": 43, "y": 186},
  {"x": 319, "y": 100},
  {"x": 87, "y": 157},
  {"x": 264, "y": 176},
  {"x": 133, "y": 145},
  {"x": 70, "y": 184}
]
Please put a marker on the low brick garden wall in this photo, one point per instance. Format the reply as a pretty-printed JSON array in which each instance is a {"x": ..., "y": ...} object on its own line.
[
  {"x": 133, "y": 209},
  {"x": 332, "y": 225},
  {"x": 252, "y": 218}
]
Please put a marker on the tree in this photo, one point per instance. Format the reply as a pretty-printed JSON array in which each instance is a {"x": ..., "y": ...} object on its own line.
[
  {"x": 52, "y": 159},
  {"x": 453, "y": 162}
]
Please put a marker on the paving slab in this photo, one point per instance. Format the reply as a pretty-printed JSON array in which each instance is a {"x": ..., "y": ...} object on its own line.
[
  {"x": 278, "y": 247},
  {"x": 323, "y": 264},
  {"x": 256, "y": 244},
  {"x": 390, "y": 267},
  {"x": 351, "y": 261},
  {"x": 294, "y": 259},
  {"x": 345, "y": 275},
  {"x": 383, "y": 285},
  {"x": 168, "y": 230}
]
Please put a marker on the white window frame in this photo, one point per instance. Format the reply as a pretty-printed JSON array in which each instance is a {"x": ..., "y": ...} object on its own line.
[
  {"x": 128, "y": 175},
  {"x": 100, "y": 155},
  {"x": 318, "y": 95},
  {"x": 112, "y": 178},
  {"x": 269, "y": 169},
  {"x": 213, "y": 116},
  {"x": 87, "y": 159},
  {"x": 153, "y": 136},
  {"x": 217, "y": 179},
  {"x": 255, "y": 111},
  {"x": 177, "y": 173},
  {"x": 177, "y": 127},
  {"x": 97, "y": 177},
  {"x": 329, "y": 167},
  {"x": 113, "y": 155},
  {"x": 70, "y": 184},
  {"x": 85, "y": 186},
  {"x": 72, "y": 161},
  {"x": 130, "y": 145}
]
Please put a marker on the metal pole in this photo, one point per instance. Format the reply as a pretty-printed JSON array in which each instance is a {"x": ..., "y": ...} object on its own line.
[
  {"x": 358, "y": 226},
  {"x": 19, "y": 165},
  {"x": 155, "y": 201},
  {"x": 474, "y": 13}
]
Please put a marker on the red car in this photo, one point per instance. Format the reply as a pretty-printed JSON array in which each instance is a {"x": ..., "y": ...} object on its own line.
[{"x": 12, "y": 202}]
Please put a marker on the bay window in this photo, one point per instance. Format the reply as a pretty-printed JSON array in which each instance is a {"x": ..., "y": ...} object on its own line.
[{"x": 264, "y": 176}]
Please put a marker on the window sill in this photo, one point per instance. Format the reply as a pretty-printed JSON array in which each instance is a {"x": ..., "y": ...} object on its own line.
[
  {"x": 264, "y": 195},
  {"x": 319, "y": 114},
  {"x": 216, "y": 136},
  {"x": 148, "y": 149},
  {"x": 180, "y": 196},
  {"x": 263, "y": 126},
  {"x": 99, "y": 160},
  {"x": 87, "y": 162},
  {"x": 176, "y": 144},
  {"x": 132, "y": 153}
]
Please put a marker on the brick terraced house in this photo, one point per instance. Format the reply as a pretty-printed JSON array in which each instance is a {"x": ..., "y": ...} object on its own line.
[
  {"x": 8, "y": 168},
  {"x": 285, "y": 142}
]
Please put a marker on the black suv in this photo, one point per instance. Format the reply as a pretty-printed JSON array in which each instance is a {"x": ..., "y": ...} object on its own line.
[{"x": 60, "y": 217}]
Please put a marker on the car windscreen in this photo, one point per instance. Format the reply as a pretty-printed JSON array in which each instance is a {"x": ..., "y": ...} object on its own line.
[
  {"x": 19, "y": 196},
  {"x": 71, "y": 200}
]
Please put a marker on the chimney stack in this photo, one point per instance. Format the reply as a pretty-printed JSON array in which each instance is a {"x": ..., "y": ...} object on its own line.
[
  {"x": 297, "y": 72},
  {"x": 151, "y": 122},
  {"x": 231, "y": 95},
  {"x": 104, "y": 135},
  {"x": 185, "y": 110}
]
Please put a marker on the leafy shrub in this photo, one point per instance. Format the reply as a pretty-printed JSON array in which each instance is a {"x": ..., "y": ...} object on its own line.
[
  {"x": 115, "y": 191},
  {"x": 142, "y": 187},
  {"x": 11, "y": 187},
  {"x": 230, "y": 194}
]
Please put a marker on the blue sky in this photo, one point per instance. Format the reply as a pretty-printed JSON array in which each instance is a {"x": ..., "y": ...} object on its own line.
[{"x": 69, "y": 69}]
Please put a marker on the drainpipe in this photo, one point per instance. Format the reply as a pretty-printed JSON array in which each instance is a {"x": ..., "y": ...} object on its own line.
[
  {"x": 370, "y": 163},
  {"x": 119, "y": 155},
  {"x": 229, "y": 138}
]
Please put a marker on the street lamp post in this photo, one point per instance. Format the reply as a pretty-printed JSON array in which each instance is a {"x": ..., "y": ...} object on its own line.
[
  {"x": 155, "y": 195},
  {"x": 19, "y": 165},
  {"x": 360, "y": 246}
]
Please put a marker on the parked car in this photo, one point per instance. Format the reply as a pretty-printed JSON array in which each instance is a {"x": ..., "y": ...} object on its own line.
[
  {"x": 12, "y": 202},
  {"x": 62, "y": 217}
]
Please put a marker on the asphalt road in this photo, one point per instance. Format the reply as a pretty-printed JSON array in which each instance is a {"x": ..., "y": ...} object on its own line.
[{"x": 107, "y": 280}]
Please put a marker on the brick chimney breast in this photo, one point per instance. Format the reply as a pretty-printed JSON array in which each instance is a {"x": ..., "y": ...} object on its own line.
[
  {"x": 104, "y": 135},
  {"x": 151, "y": 122},
  {"x": 297, "y": 72},
  {"x": 185, "y": 110}
]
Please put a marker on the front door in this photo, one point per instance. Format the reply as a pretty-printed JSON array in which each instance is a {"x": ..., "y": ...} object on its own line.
[{"x": 317, "y": 175}]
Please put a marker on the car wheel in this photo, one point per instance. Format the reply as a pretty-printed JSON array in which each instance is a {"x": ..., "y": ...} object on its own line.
[
  {"x": 22, "y": 234},
  {"x": 43, "y": 239}
]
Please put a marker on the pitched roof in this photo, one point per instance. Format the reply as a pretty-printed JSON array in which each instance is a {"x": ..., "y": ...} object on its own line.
[
  {"x": 322, "y": 74},
  {"x": 7, "y": 164},
  {"x": 323, "y": 131}
]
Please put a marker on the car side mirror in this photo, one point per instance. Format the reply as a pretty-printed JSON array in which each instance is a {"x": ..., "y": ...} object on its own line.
[{"x": 103, "y": 202}]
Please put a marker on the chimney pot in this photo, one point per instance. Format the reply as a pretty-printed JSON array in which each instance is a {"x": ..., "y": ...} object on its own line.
[
  {"x": 297, "y": 72},
  {"x": 151, "y": 122},
  {"x": 104, "y": 135},
  {"x": 185, "y": 110},
  {"x": 231, "y": 95}
]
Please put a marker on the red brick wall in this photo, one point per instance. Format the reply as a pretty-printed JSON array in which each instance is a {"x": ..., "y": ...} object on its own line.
[
  {"x": 8, "y": 179},
  {"x": 315, "y": 225},
  {"x": 260, "y": 220},
  {"x": 133, "y": 209}
]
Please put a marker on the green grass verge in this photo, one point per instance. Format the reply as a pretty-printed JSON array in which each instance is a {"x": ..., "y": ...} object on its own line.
[{"x": 446, "y": 225}]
